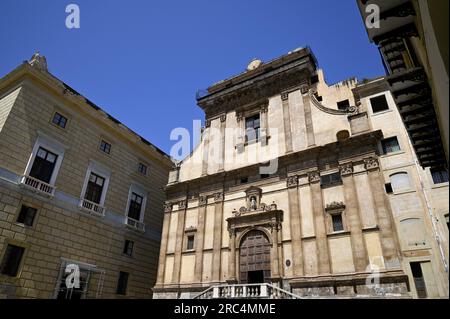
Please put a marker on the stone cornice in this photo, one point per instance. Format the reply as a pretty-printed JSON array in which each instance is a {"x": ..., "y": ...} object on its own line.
[{"x": 355, "y": 148}]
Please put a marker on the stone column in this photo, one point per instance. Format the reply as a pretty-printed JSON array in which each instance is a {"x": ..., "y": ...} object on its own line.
[
  {"x": 353, "y": 219},
  {"x": 223, "y": 120},
  {"x": 179, "y": 242},
  {"x": 232, "y": 278},
  {"x": 308, "y": 119},
  {"x": 202, "y": 204},
  {"x": 275, "y": 269},
  {"x": 163, "y": 248},
  {"x": 287, "y": 122},
  {"x": 217, "y": 239},
  {"x": 295, "y": 221},
  {"x": 388, "y": 236},
  {"x": 323, "y": 258}
]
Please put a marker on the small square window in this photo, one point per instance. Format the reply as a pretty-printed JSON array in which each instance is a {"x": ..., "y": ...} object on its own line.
[
  {"x": 389, "y": 189},
  {"x": 331, "y": 179},
  {"x": 128, "y": 247},
  {"x": 26, "y": 215},
  {"x": 379, "y": 104},
  {"x": 105, "y": 147},
  {"x": 122, "y": 283},
  {"x": 59, "y": 120},
  {"x": 439, "y": 175},
  {"x": 142, "y": 168},
  {"x": 390, "y": 145},
  {"x": 190, "y": 242},
  {"x": 343, "y": 105},
  {"x": 244, "y": 180},
  {"x": 338, "y": 224},
  {"x": 11, "y": 260}
]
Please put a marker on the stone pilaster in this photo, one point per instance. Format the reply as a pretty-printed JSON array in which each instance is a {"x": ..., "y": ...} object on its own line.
[
  {"x": 205, "y": 154},
  {"x": 275, "y": 268},
  {"x": 217, "y": 237},
  {"x": 163, "y": 247},
  {"x": 295, "y": 221},
  {"x": 308, "y": 120},
  {"x": 353, "y": 219},
  {"x": 232, "y": 278},
  {"x": 287, "y": 122},
  {"x": 223, "y": 120},
  {"x": 202, "y": 204},
  {"x": 388, "y": 236},
  {"x": 179, "y": 241},
  {"x": 323, "y": 257}
]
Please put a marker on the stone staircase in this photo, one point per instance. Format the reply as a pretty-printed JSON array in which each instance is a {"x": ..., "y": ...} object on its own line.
[{"x": 249, "y": 291}]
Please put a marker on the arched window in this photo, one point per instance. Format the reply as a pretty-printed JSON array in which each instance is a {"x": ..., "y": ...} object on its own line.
[{"x": 400, "y": 181}]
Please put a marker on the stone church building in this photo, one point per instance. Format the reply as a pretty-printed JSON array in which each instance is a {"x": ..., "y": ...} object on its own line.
[{"x": 313, "y": 189}]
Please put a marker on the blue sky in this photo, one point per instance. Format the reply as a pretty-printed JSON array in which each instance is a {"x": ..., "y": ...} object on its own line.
[{"x": 143, "y": 61}]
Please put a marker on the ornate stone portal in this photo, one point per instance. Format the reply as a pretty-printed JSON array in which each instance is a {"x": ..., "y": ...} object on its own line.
[{"x": 254, "y": 238}]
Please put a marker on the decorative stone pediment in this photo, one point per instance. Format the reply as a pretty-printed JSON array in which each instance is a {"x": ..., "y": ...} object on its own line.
[
  {"x": 261, "y": 208},
  {"x": 335, "y": 206},
  {"x": 266, "y": 216}
]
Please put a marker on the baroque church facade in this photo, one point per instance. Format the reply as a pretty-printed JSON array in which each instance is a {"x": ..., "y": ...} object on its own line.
[{"x": 311, "y": 188}]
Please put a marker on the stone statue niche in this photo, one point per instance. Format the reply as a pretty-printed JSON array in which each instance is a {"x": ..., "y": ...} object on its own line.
[{"x": 253, "y": 198}]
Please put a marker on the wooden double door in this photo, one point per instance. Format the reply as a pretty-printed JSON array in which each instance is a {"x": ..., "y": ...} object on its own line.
[{"x": 254, "y": 258}]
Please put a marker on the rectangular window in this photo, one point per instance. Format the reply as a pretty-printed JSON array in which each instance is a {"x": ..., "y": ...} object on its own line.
[
  {"x": 94, "y": 189},
  {"x": 190, "y": 242},
  {"x": 122, "y": 283},
  {"x": 75, "y": 293},
  {"x": 134, "y": 210},
  {"x": 389, "y": 189},
  {"x": 252, "y": 128},
  {"x": 43, "y": 165},
  {"x": 11, "y": 260},
  {"x": 390, "y": 145},
  {"x": 379, "y": 104},
  {"x": 419, "y": 281},
  {"x": 244, "y": 180},
  {"x": 343, "y": 105},
  {"x": 439, "y": 176},
  {"x": 338, "y": 224},
  {"x": 128, "y": 247},
  {"x": 331, "y": 179},
  {"x": 142, "y": 169},
  {"x": 447, "y": 221},
  {"x": 59, "y": 120},
  {"x": 26, "y": 215},
  {"x": 105, "y": 147},
  {"x": 264, "y": 176}
]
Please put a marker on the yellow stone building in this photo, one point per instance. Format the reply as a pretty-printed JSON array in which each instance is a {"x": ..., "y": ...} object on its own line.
[
  {"x": 302, "y": 189},
  {"x": 78, "y": 189}
]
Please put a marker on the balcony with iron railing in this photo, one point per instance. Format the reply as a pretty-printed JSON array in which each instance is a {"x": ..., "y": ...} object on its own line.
[
  {"x": 37, "y": 186},
  {"x": 92, "y": 208}
]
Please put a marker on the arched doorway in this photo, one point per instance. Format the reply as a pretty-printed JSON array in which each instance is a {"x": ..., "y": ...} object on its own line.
[{"x": 254, "y": 261}]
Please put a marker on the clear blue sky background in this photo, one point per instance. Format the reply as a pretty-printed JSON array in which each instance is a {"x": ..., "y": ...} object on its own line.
[{"x": 143, "y": 61}]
